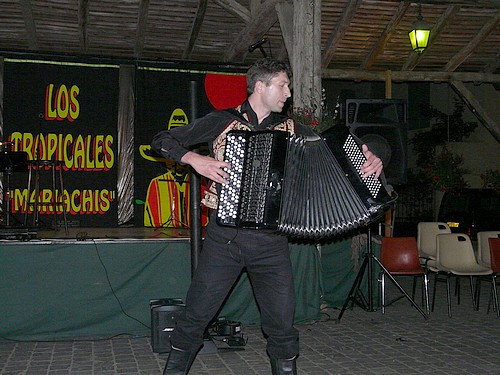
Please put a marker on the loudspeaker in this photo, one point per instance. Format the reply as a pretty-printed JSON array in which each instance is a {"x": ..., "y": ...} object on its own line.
[
  {"x": 382, "y": 125},
  {"x": 164, "y": 315}
]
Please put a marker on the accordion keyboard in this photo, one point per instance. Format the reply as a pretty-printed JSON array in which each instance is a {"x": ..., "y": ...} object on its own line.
[
  {"x": 357, "y": 159},
  {"x": 259, "y": 153},
  {"x": 253, "y": 184}
]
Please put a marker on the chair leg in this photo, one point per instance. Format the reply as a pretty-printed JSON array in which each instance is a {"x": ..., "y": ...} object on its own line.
[
  {"x": 448, "y": 291},
  {"x": 495, "y": 295},
  {"x": 477, "y": 290},
  {"x": 425, "y": 287},
  {"x": 414, "y": 287},
  {"x": 457, "y": 289},
  {"x": 473, "y": 292},
  {"x": 382, "y": 292},
  {"x": 434, "y": 292},
  {"x": 448, "y": 294}
]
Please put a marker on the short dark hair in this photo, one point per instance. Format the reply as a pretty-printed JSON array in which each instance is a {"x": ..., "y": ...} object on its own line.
[{"x": 265, "y": 70}]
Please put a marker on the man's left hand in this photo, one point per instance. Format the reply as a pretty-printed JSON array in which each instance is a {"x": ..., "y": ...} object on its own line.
[{"x": 372, "y": 165}]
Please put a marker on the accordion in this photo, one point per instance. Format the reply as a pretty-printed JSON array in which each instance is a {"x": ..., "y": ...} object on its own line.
[{"x": 308, "y": 187}]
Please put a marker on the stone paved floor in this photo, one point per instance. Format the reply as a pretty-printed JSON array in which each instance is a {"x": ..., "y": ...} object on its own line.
[{"x": 399, "y": 342}]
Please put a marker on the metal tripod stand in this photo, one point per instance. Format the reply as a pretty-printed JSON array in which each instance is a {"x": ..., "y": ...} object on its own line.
[{"x": 356, "y": 295}]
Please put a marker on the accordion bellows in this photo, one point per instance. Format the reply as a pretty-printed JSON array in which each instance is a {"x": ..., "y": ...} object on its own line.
[{"x": 306, "y": 187}]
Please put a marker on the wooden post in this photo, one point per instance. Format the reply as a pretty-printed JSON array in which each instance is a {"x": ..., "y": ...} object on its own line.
[
  {"x": 306, "y": 57},
  {"x": 388, "y": 95}
]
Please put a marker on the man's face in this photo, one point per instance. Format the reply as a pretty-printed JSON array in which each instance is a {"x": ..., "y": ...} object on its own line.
[{"x": 276, "y": 93}]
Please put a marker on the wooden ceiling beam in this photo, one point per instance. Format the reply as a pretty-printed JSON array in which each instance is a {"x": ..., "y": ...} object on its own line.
[
  {"x": 339, "y": 31},
  {"x": 232, "y": 6},
  {"x": 29, "y": 23},
  {"x": 83, "y": 14},
  {"x": 493, "y": 65},
  {"x": 406, "y": 76},
  {"x": 284, "y": 11},
  {"x": 441, "y": 24},
  {"x": 461, "y": 56},
  {"x": 195, "y": 29},
  {"x": 474, "y": 3},
  {"x": 254, "y": 5},
  {"x": 386, "y": 35},
  {"x": 476, "y": 108},
  {"x": 142, "y": 21},
  {"x": 259, "y": 24}
]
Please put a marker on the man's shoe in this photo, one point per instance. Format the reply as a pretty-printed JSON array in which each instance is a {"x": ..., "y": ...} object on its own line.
[
  {"x": 284, "y": 366},
  {"x": 179, "y": 362}
]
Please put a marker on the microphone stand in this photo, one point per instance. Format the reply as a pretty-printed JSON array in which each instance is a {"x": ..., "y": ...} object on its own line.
[
  {"x": 357, "y": 297},
  {"x": 209, "y": 346}
]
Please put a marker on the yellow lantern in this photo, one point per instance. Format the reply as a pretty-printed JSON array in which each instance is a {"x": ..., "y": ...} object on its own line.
[{"x": 419, "y": 34}]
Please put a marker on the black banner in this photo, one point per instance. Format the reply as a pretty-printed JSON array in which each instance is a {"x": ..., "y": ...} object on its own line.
[{"x": 68, "y": 114}]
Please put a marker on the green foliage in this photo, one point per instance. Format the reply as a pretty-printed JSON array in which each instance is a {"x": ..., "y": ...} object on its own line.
[
  {"x": 445, "y": 128},
  {"x": 442, "y": 171},
  {"x": 491, "y": 179}
]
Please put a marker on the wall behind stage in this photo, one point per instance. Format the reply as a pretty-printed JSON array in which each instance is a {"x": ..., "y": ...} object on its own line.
[
  {"x": 75, "y": 113},
  {"x": 65, "y": 112}
]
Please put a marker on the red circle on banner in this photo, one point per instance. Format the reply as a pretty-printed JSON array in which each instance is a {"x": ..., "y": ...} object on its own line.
[{"x": 225, "y": 90}]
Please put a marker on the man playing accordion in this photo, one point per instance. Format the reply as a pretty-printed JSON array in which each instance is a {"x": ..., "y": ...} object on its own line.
[{"x": 227, "y": 250}]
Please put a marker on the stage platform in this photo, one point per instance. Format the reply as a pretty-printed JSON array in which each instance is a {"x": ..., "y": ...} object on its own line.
[
  {"x": 125, "y": 232},
  {"x": 95, "y": 282}
]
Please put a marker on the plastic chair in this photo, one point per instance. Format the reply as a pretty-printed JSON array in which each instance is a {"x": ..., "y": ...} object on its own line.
[
  {"x": 455, "y": 256},
  {"x": 483, "y": 246},
  {"x": 495, "y": 267},
  {"x": 399, "y": 255},
  {"x": 426, "y": 237},
  {"x": 427, "y": 232}
]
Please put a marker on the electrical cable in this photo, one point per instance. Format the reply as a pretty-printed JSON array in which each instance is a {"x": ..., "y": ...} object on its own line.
[{"x": 113, "y": 290}]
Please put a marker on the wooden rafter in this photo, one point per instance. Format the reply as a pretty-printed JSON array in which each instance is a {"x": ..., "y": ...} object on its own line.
[
  {"x": 285, "y": 14},
  {"x": 83, "y": 12},
  {"x": 476, "y": 108},
  {"x": 386, "y": 35},
  {"x": 124, "y": 30},
  {"x": 195, "y": 29},
  {"x": 460, "y": 57},
  {"x": 235, "y": 8},
  {"x": 485, "y": 3},
  {"x": 29, "y": 23},
  {"x": 492, "y": 66},
  {"x": 436, "y": 30},
  {"x": 405, "y": 76},
  {"x": 339, "y": 31},
  {"x": 142, "y": 20},
  {"x": 254, "y": 5},
  {"x": 259, "y": 24}
]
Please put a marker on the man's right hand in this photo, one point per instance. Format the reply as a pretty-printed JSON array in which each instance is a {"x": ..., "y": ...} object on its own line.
[{"x": 207, "y": 166}]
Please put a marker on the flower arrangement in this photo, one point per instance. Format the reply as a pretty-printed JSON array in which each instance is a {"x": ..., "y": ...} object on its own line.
[
  {"x": 307, "y": 117},
  {"x": 318, "y": 118},
  {"x": 445, "y": 171}
]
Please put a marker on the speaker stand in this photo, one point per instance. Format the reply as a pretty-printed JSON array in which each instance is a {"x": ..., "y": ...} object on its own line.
[{"x": 357, "y": 297}]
